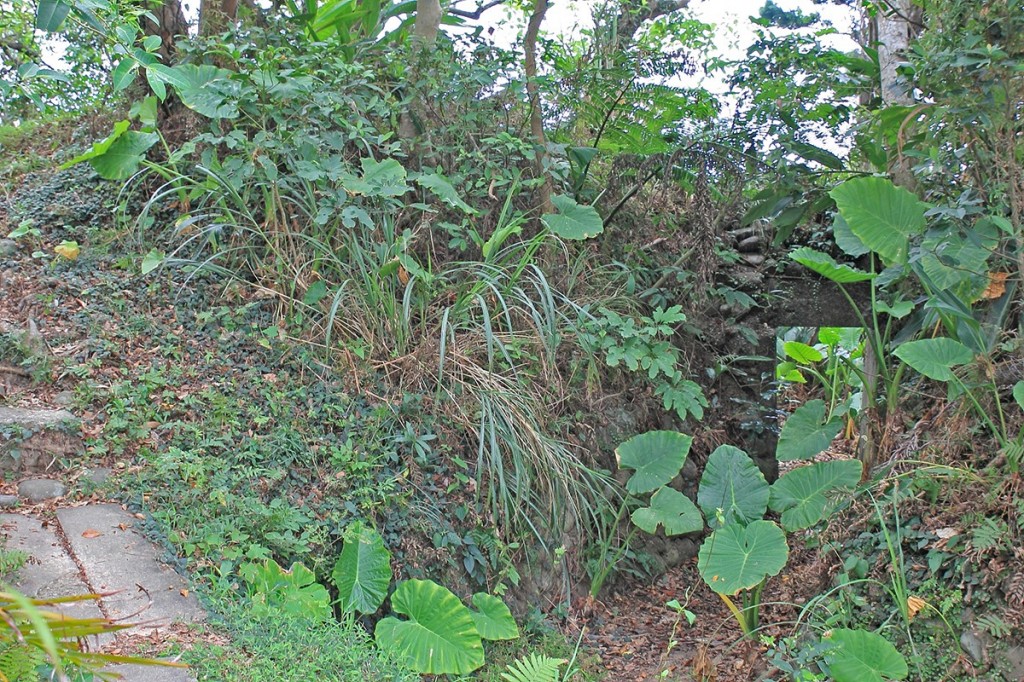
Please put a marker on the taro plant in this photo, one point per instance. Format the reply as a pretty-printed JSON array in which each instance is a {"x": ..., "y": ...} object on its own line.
[
  {"x": 743, "y": 549},
  {"x": 835, "y": 363},
  {"x": 439, "y": 634}
]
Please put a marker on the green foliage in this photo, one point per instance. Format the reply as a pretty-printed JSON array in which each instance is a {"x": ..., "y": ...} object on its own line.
[
  {"x": 293, "y": 593},
  {"x": 732, "y": 489},
  {"x": 533, "y": 668},
  {"x": 439, "y": 635},
  {"x": 363, "y": 571},
  {"x": 883, "y": 216},
  {"x": 572, "y": 220},
  {"x": 739, "y": 557},
  {"x": 801, "y": 495},
  {"x": 807, "y": 432},
  {"x": 655, "y": 457},
  {"x": 642, "y": 344},
  {"x": 861, "y": 656}
]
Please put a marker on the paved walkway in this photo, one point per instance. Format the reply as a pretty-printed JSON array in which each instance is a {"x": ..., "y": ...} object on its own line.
[{"x": 96, "y": 549}]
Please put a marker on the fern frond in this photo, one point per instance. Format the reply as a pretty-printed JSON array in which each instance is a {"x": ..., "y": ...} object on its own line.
[{"x": 533, "y": 668}]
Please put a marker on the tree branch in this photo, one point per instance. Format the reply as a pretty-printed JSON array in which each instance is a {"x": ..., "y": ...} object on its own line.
[{"x": 475, "y": 14}]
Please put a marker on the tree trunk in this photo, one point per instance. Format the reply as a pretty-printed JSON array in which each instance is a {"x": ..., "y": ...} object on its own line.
[
  {"x": 215, "y": 16},
  {"x": 425, "y": 30},
  {"x": 171, "y": 24},
  {"x": 536, "y": 111}
]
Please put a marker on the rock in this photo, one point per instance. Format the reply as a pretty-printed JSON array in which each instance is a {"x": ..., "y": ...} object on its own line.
[
  {"x": 754, "y": 259},
  {"x": 1011, "y": 662},
  {"x": 64, "y": 398},
  {"x": 33, "y": 441},
  {"x": 40, "y": 489},
  {"x": 750, "y": 244},
  {"x": 8, "y": 247},
  {"x": 98, "y": 475},
  {"x": 8, "y": 501},
  {"x": 973, "y": 645}
]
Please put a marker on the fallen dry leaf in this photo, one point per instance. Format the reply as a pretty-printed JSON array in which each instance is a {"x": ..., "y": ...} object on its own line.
[{"x": 90, "y": 533}]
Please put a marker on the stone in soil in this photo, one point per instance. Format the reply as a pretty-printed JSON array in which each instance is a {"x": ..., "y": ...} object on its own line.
[
  {"x": 151, "y": 673},
  {"x": 32, "y": 441},
  {"x": 8, "y": 501},
  {"x": 8, "y": 247},
  {"x": 117, "y": 558},
  {"x": 35, "y": 490}
]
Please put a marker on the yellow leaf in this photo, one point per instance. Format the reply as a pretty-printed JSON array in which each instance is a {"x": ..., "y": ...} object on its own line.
[
  {"x": 914, "y": 605},
  {"x": 69, "y": 250}
]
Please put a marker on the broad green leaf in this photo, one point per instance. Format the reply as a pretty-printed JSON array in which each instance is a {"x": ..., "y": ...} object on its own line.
[
  {"x": 1018, "y": 393},
  {"x": 737, "y": 557},
  {"x": 935, "y": 358},
  {"x": 806, "y": 433},
  {"x": 732, "y": 486},
  {"x": 882, "y": 215},
  {"x": 572, "y": 220},
  {"x": 802, "y": 353},
  {"x": 898, "y": 310},
  {"x": 363, "y": 571},
  {"x": 493, "y": 619},
  {"x": 315, "y": 293},
  {"x": 826, "y": 266},
  {"x": 205, "y": 89},
  {"x": 671, "y": 509},
  {"x": 440, "y": 186},
  {"x": 380, "y": 179},
  {"x": 439, "y": 637},
  {"x": 294, "y": 592},
  {"x": 801, "y": 496},
  {"x": 959, "y": 263},
  {"x": 100, "y": 148},
  {"x": 50, "y": 15},
  {"x": 813, "y": 153},
  {"x": 655, "y": 458},
  {"x": 862, "y": 656},
  {"x": 847, "y": 240},
  {"x": 152, "y": 260},
  {"x": 124, "y": 73},
  {"x": 123, "y": 157}
]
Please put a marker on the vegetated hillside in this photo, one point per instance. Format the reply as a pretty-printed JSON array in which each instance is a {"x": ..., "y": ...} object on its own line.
[{"x": 394, "y": 310}]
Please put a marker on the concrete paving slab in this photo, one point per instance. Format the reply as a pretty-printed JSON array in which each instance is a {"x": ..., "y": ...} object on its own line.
[
  {"x": 151, "y": 673},
  {"x": 118, "y": 558},
  {"x": 49, "y": 571}
]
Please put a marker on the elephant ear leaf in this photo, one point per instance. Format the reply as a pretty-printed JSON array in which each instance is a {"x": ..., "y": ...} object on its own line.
[
  {"x": 493, "y": 619},
  {"x": 801, "y": 496},
  {"x": 738, "y": 557},
  {"x": 438, "y": 638},
  {"x": 862, "y": 656},
  {"x": 363, "y": 571},
  {"x": 655, "y": 458},
  {"x": 732, "y": 488}
]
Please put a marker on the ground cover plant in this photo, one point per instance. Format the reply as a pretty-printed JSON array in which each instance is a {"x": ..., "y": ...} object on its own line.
[{"x": 391, "y": 334}]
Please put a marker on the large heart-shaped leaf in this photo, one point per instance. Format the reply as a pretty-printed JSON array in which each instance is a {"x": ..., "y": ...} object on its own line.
[
  {"x": 671, "y": 509},
  {"x": 801, "y": 496},
  {"x": 882, "y": 215},
  {"x": 959, "y": 263},
  {"x": 205, "y": 89},
  {"x": 935, "y": 358},
  {"x": 802, "y": 353},
  {"x": 826, "y": 266},
  {"x": 572, "y": 220},
  {"x": 655, "y": 457},
  {"x": 862, "y": 656},
  {"x": 493, "y": 619},
  {"x": 439, "y": 637},
  {"x": 806, "y": 433},
  {"x": 737, "y": 557},
  {"x": 732, "y": 488},
  {"x": 363, "y": 571}
]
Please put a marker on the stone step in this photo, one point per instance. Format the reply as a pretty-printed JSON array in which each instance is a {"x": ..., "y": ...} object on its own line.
[
  {"x": 117, "y": 558},
  {"x": 34, "y": 441}
]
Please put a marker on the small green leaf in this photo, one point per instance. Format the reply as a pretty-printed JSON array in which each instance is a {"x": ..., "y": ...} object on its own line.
[
  {"x": 493, "y": 619},
  {"x": 1018, "y": 393},
  {"x": 898, "y": 310},
  {"x": 806, "y": 433},
  {"x": 123, "y": 157},
  {"x": 50, "y": 15},
  {"x": 671, "y": 509},
  {"x": 315, "y": 293},
  {"x": 440, "y": 186},
  {"x": 124, "y": 74},
  {"x": 152, "y": 260},
  {"x": 380, "y": 179},
  {"x": 935, "y": 358},
  {"x": 802, "y": 353},
  {"x": 655, "y": 457},
  {"x": 572, "y": 220}
]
